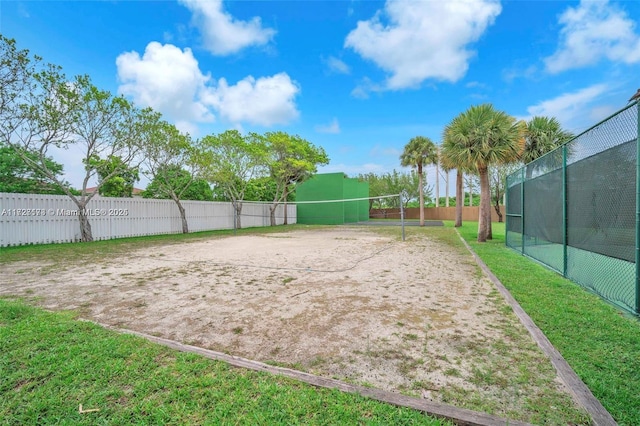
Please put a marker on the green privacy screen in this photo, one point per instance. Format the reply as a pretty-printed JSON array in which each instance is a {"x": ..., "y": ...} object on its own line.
[
  {"x": 575, "y": 209},
  {"x": 332, "y": 186}
]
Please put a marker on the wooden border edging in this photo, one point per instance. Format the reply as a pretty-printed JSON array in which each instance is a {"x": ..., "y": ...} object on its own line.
[
  {"x": 580, "y": 392},
  {"x": 459, "y": 416}
]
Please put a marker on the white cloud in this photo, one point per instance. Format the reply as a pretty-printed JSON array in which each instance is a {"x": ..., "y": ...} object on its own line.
[
  {"x": 223, "y": 34},
  {"x": 475, "y": 84},
  {"x": 337, "y": 66},
  {"x": 23, "y": 11},
  {"x": 511, "y": 74},
  {"x": 601, "y": 112},
  {"x": 366, "y": 86},
  {"x": 360, "y": 92},
  {"x": 380, "y": 151},
  {"x": 170, "y": 81},
  {"x": 573, "y": 110},
  {"x": 423, "y": 39},
  {"x": 333, "y": 127},
  {"x": 265, "y": 101},
  {"x": 592, "y": 31},
  {"x": 167, "y": 79}
]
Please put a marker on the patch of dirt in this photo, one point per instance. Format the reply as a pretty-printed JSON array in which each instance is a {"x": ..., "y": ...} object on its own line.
[{"x": 416, "y": 316}]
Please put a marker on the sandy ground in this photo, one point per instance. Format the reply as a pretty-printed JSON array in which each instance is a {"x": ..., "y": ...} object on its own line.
[{"x": 349, "y": 303}]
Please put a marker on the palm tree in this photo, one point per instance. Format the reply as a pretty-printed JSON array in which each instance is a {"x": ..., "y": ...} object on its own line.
[
  {"x": 542, "y": 135},
  {"x": 448, "y": 164},
  {"x": 482, "y": 136},
  {"x": 419, "y": 152}
]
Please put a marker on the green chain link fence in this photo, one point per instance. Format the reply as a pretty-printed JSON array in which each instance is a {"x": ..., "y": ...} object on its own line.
[{"x": 576, "y": 209}]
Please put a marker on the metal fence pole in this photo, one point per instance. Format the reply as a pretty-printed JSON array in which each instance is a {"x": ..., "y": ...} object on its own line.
[
  {"x": 524, "y": 175},
  {"x": 507, "y": 221},
  {"x": 401, "y": 215},
  {"x": 564, "y": 210},
  {"x": 638, "y": 209}
]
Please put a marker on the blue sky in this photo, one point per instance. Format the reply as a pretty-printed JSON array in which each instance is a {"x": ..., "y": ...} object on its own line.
[{"x": 359, "y": 78}]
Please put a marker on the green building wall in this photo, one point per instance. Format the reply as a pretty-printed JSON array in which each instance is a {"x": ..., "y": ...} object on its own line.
[{"x": 332, "y": 186}]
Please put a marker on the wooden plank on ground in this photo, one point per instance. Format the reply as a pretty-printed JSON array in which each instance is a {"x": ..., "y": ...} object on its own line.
[
  {"x": 459, "y": 416},
  {"x": 580, "y": 392}
]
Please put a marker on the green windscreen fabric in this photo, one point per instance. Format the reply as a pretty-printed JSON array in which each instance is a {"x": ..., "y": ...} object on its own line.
[
  {"x": 514, "y": 207},
  {"x": 601, "y": 202},
  {"x": 574, "y": 209},
  {"x": 543, "y": 207},
  {"x": 513, "y": 234}
]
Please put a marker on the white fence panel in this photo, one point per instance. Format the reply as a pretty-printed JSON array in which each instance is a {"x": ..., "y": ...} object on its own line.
[{"x": 41, "y": 219}]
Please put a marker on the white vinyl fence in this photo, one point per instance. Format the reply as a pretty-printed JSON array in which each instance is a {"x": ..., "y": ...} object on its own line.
[{"x": 41, "y": 219}]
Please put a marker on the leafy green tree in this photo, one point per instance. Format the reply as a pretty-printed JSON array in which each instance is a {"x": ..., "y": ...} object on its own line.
[
  {"x": 173, "y": 162},
  {"x": 291, "y": 160},
  {"x": 118, "y": 185},
  {"x": 233, "y": 161},
  {"x": 264, "y": 189},
  {"x": 407, "y": 184},
  {"x": 41, "y": 110},
  {"x": 17, "y": 177},
  {"x": 258, "y": 189},
  {"x": 377, "y": 188},
  {"x": 418, "y": 153},
  {"x": 498, "y": 178},
  {"x": 483, "y": 136},
  {"x": 196, "y": 189},
  {"x": 394, "y": 183}
]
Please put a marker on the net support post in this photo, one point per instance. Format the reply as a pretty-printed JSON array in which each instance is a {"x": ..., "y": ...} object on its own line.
[
  {"x": 638, "y": 208},
  {"x": 401, "y": 215}
]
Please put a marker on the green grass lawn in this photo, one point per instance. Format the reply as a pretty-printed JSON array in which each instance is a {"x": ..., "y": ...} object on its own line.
[
  {"x": 50, "y": 364},
  {"x": 600, "y": 343}
]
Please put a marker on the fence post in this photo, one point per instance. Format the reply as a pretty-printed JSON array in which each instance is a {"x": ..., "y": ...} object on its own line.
[
  {"x": 506, "y": 211},
  {"x": 401, "y": 215},
  {"x": 638, "y": 208},
  {"x": 524, "y": 176},
  {"x": 564, "y": 210}
]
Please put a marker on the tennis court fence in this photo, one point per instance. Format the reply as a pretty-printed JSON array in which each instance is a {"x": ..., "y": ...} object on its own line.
[{"x": 576, "y": 209}]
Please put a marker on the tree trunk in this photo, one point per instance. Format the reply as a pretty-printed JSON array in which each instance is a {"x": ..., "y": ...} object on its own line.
[
  {"x": 238, "y": 208},
  {"x": 459, "y": 198},
  {"x": 497, "y": 207},
  {"x": 85, "y": 227},
  {"x": 272, "y": 213},
  {"x": 485, "y": 205},
  {"x": 183, "y": 216},
  {"x": 286, "y": 194},
  {"x": 529, "y": 173},
  {"x": 437, "y": 186},
  {"x": 446, "y": 186},
  {"x": 421, "y": 192}
]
